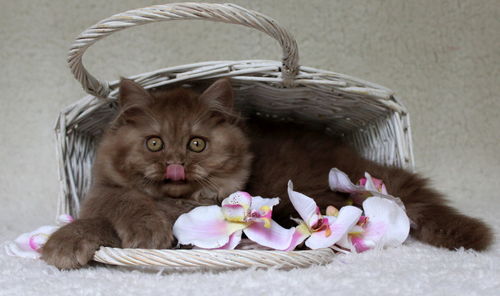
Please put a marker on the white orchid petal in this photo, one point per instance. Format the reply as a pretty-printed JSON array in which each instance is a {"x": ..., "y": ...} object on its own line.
[
  {"x": 275, "y": 237},
  {"x": 339, "y": 181},
  {"x": 304, "y": 205},
  {"x": 234, "y": 240},
  {"x": 234, "y": 213},
  {"x": 259, "y": 202},
  {"x": 344, "y": 222},
  {"x": 388, "y": 224},
  {"x": 318, "y": 240},
  {"x": 384, "y": 189},
  {"x": 64, "y": 219},
  {"x": 204, "y": 227},
  {"x": 12, "y": 249},
  {"x": 345, "y": 242},
  {"x": 301, "y": 233},
  {"x": 370, "y": 185},
  {"x": 314, "y": 220}
]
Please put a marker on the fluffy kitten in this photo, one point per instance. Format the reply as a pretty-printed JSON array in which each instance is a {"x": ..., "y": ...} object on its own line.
[
  {"x": 165, "y": 153},
  {"x": 169, "y": 151}
]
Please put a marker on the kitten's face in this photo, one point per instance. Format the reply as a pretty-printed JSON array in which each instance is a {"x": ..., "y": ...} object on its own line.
[{"x": 176, "y": 143}]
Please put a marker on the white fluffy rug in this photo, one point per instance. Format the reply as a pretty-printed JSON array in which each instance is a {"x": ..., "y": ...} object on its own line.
[{"x": 413, "y": 269}]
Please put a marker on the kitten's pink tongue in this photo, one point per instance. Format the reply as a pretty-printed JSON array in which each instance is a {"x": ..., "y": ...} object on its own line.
[{"x": 175, "y": 172}]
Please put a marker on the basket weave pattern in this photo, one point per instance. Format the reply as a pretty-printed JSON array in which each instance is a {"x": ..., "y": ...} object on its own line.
[{"x": 368, "y": 115}]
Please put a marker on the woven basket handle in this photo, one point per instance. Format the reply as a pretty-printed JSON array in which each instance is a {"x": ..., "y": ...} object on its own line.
[{"x": 226, "y": 13}]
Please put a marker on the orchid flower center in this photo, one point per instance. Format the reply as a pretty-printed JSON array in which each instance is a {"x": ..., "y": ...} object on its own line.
[
  {"x": 359, "y": 228},
  {"x": 263, "y": 214},
  {"x": 321, "y": 224},
  {"x": 238, "y": 209}
]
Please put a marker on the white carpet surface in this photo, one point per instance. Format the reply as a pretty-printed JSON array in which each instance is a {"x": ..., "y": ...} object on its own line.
[{"x": 441, "y": 57}]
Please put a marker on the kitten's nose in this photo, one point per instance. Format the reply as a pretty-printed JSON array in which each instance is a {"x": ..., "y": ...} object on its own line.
[{"x": 175, "y": 172}]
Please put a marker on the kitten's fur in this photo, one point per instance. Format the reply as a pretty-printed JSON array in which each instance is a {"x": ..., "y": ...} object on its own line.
[{"x": 130, "y": 203}]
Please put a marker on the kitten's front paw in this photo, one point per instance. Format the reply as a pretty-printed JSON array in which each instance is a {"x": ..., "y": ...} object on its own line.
[
  {"x": 74, "y": 245},
  {"x": 147, "y": 232}
]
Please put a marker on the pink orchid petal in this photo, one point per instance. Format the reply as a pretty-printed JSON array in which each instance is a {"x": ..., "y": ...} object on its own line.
[
  {"x": 339, "y": 227},
  {"x": 204, "y": 227},
  {"x": 339, "y": 181},
  {"x": 304, "y": 205},
  {"x": 35, "y": 239},
  {"x": 360, "y": 244},
  {"x": 388, "y": 224},
  {"x": 27, "y": 245},
  {"x": 241, "y": 198},
  {"x": 64, "y": 219},
  {"x": 275, "y": 237}
]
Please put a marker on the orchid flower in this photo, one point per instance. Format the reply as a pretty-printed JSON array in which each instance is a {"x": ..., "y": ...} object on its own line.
[
  {"x": 369, "y": 186},
  {"x": 384, "y": 223},
  {"x": 214, "y": 227},
  {"x": 317, "y": 230},
  {"x": 28, "y": 245}
]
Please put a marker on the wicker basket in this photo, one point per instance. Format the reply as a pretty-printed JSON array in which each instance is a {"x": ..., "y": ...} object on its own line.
[{"x": 368, "y": 115}]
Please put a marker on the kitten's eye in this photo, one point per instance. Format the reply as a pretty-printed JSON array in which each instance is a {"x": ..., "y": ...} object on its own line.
[
  {"x": 197, "y": 145},
  {"x": 154, "y": 144}
]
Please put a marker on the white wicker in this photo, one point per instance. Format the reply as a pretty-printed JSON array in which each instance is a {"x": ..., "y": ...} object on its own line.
[
  {"x": 213, "y": 259},
  {"x": 370, "y": 116}
]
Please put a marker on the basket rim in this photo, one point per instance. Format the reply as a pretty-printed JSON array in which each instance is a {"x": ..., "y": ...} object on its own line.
[{"x": 201, "y": 258}]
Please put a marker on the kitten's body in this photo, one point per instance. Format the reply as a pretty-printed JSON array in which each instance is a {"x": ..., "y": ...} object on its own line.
[
  {"x": 287, "y": 152},
  {"x": 133, "y": 203}
]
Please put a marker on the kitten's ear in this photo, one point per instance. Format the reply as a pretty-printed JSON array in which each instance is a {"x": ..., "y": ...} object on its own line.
[
  {"x": 132, "y": 94},
  {"x": 133, "y": 99},
  {"x": 219, "y": 95}
]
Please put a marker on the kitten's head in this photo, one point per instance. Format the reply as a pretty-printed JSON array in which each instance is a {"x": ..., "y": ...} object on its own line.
[{"x": 175, "y": 143}]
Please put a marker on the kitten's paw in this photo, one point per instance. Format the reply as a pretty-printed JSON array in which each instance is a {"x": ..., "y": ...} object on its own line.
[
  {"x": 148, "y": 232},
  {"x": 461, "y": 231},
  {"x": 74, "y": 245}
]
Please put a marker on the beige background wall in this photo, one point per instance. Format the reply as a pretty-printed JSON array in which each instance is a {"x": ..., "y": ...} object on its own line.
[{"x": 441, "y": 57}]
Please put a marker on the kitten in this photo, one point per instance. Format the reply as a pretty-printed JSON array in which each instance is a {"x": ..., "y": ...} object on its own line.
[
  {"x": 165, "y": 153},
  {"x": 169, "y": 151}
]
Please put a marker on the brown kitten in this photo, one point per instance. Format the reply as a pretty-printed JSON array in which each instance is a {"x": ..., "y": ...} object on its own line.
[
  {"x": 166, "y": 152},
  {"x": 285, "y": 152}
]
